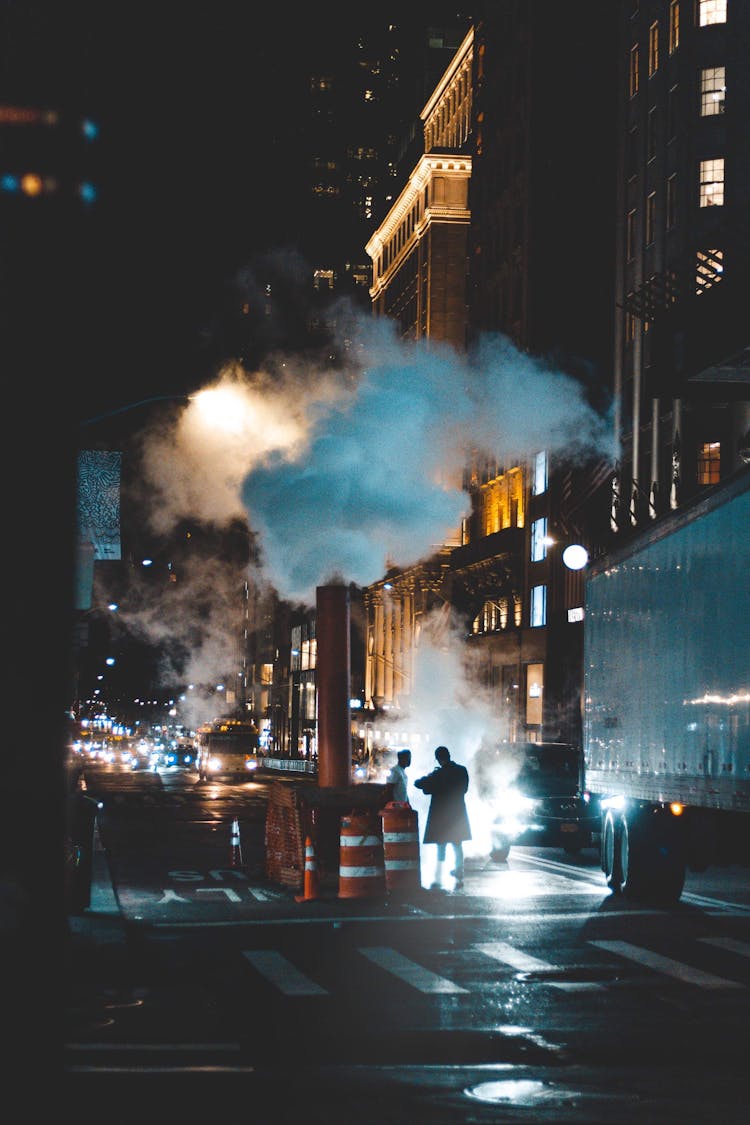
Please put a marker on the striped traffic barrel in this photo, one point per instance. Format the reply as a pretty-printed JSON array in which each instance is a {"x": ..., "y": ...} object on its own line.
[
  {"x": 400, "y": 847},
  {"x": 361, "y": 866}
]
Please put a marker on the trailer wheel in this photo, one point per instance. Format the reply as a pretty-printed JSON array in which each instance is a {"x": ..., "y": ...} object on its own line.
[
  {"x": 668, "y": 858},
  {"x": 651, "y": 858},
  {"x": 631, "y": 860},
  {"x": 609, "y": 854}
]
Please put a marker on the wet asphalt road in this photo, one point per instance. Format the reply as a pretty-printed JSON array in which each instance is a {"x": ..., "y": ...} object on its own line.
[{"x": 534, "y": 995}]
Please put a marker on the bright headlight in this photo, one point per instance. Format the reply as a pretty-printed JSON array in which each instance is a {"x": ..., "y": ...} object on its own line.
[{"x": 511, "y": 803}]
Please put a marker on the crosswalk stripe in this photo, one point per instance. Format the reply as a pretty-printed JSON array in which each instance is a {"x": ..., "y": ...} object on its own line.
[
  {"x": 730, "y": 944},
  {"x": 282, "y": 973},
  {"x": 516, "y": 958},
  {"x": 666, "y": 965},
  {"x": 715, "y": 905},
  {"x": 409, "y": 972},
  {"x": 525, "y": 963}
]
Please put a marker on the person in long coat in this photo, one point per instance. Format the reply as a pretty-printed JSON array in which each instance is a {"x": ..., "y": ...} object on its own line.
[{"x": 447, "y": 819}]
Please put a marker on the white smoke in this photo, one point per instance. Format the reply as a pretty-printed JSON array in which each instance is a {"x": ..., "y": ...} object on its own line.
[
  {"x": 346, "y": 472},
  {"x": 379, "y": 476},
  {"x": 448, "y": 707}
]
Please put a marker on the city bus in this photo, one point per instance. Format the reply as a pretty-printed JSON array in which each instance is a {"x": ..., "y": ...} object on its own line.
[{"x": 227, "y": 748}]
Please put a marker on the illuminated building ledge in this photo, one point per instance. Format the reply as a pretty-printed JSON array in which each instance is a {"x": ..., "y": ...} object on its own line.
[{"x": 439, "y": 177}]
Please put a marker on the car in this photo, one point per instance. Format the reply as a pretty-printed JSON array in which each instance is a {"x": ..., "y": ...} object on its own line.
[
  {"x": 180, "y": 753},
  {"x": 538, "y": 797}
]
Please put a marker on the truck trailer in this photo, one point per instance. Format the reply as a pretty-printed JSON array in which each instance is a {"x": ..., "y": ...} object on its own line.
[{"x": 666, "y": 716}]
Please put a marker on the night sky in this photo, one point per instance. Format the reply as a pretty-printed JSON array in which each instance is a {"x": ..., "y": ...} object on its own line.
[
  {"x": 192, "y": 108},
  {"x": 201, "y": 111}
]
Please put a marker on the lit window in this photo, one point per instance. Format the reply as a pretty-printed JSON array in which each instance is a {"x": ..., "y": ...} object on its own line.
[
  {"x": 650, "y": 218},
  {"x": 671, "y": 201},
  {"x": 634, "y": 66},
  {"x": 539, "y": 484},
  {"x": 323, "y": 279},
  {"x": 713, "y": 89},
  {"x": 629, "y": 326},
  {"x": 709, "y": 462},
  {"x": 712, "y": 11},
  {"x": 538, "y": 614},
  {"x": 653, "y": 49},
  {"x": 709, "y": 269},
  {"x": 674, "y": 25},
  {"x": 534, "y": 693},
  {"x": 712, "y": 182},
  {"x": 539, "y": 540}
]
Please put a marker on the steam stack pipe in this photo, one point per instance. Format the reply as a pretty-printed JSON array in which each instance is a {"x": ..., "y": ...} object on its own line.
[{"x": 333, "y": 681}]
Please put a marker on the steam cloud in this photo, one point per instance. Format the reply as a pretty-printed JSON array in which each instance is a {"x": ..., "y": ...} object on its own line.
[
  {"x": 342, "y": 473},
  {"x": 349, "y": 472}
]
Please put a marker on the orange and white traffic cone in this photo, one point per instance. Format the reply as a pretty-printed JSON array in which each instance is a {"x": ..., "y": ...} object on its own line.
[
  {"x": 236, "y": 860},
  {"x": 311, "y": 874}
]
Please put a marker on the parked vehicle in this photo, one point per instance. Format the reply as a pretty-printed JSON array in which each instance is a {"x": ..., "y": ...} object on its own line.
[
  {"x": 667, "y": 695},
  {"x": 537, "y": 792}
]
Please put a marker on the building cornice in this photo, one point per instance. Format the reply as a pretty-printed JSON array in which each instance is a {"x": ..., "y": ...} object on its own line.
[
  {"x": 430, "y": 165},
  {"x": 462, "y": 57}
]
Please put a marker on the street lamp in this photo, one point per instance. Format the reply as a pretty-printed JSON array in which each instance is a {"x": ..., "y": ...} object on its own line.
[{"x": 575, "y": 556}]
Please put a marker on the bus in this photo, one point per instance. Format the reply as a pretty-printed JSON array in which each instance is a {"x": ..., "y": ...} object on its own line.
[{"x": 227, "y": 748}]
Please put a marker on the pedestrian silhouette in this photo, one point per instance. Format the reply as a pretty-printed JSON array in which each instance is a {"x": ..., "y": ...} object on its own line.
[
  {"x": 397, "y": 776},
  {"x": 447, "y": 819}
]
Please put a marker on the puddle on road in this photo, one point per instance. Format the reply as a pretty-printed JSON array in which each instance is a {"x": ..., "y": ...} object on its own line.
[{"x": 518, "y": 1091}]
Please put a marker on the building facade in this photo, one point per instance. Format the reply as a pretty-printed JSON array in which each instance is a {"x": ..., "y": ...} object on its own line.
[
  {"x": 496, "y": 123},
  {"x": 682, "y": 258}
]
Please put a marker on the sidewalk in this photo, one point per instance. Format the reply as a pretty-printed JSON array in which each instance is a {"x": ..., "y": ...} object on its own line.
[{"x": 98, "y": 953}]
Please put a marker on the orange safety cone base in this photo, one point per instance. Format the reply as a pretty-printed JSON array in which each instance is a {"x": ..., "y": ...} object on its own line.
[{"x": 311, "y": 889}]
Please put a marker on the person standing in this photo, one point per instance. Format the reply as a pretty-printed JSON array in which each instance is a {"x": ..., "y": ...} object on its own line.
[
  {"x": 447, "y": 819},
  {"x": 397, "y": 776}
]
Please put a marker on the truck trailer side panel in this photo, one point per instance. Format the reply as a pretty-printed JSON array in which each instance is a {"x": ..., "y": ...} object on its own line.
[{"x": 667, "y": 673}]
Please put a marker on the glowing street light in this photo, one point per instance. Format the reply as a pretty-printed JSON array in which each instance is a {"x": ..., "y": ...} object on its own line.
[{"x": 575, "y": 556}]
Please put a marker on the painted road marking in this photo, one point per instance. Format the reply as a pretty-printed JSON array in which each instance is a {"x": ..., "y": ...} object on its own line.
[
  {"x": 731, "y": 944},
  {"x": 409, "y": 971},
  {"x": 715, "y": 905},
  {"x": 525, "y": 963},
  {"x": 660, "y": 964},
  {"x": 282, "y": 973}
]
